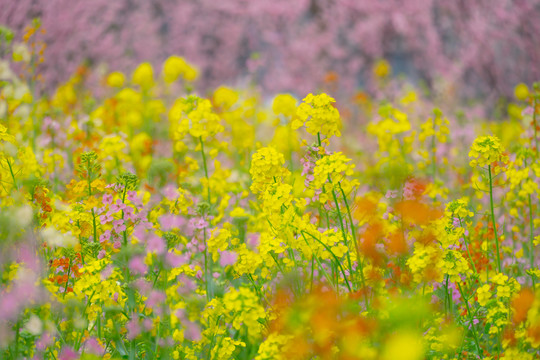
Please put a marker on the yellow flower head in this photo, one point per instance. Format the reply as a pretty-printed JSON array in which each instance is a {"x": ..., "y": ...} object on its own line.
[
  {"x": 116, "y": 79},
  {"x": 284, "y": 104},
  {"x": 459, "y": 208},
  {"x": 483, "y": 293},
  {"x": 266, "y": 168},
  {"x": 521, "y": 91},
  {"x": 321, "y": 116},
  {"x": 335, "y": 167},
  {"x": 195, "y": 116},
  {"x": 4, "y": 136},
  {"x": 488, "y": 151},
  {"x": 143, "y": 76},
  {"x": 225, "y": 97},
  {"x": 382, "y": 68},
  {"x": 176, "y": 66}
]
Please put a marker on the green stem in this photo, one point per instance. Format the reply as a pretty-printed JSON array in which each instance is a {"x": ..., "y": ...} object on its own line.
[
  {"x": 471, "y": 320},
  {"x": 340, "y": 218},
  {"x": 353, "y": 233},
  {"x": 124, "y": 235},
  {"x": 94, "y": 224},
  {"x": 446, "y": 297},
  {"x": 534, "y": 125},
  {"x": 206, "y": 277},
  {"x": 531, "y": 232},
  {"x": 67, "y": 280},
  {"x": 12, "y": 175},
  {"x": 156, "y": 344},
  {"x": 493, "y": 218},
  {"x": 433, "y": 163},
  {"x": 205, "y": 168},
  {"x": 338, "y": 263},
  {"x": 17, "y": 335},
  {"x": 466, "y": 240},
  {"x": 318, "y": 261}
]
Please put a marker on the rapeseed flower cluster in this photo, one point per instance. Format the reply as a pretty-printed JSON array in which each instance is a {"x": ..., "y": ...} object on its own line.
[
  {"x": 319, "y": 116},
  {"x": 488, "y": 151},
  {"x": 138, "y": 224}
]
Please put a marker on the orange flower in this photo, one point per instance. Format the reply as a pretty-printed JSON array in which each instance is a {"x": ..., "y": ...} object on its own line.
[
  {"x": 396, "y": 244},
  {"x": 416, "y": 212},
  {"x": 369, "y": 238},
  {"x": 521, "y": 305}
]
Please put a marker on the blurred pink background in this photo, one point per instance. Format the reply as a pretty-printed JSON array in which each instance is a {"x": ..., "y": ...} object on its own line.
[{"x": 485, "y": 47}]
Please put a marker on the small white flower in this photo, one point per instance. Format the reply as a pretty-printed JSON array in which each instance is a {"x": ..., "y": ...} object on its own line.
[
  {"x": 55, "y": 238},
  {"x": 34, "y": 325}
]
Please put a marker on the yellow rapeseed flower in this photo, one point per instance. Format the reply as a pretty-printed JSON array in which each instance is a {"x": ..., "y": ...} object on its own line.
[{"x": 319, "y": 115}]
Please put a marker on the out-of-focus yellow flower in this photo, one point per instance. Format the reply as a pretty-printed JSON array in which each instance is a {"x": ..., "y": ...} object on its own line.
[
  {"x": 176, "y": 66},
  {"x": 4, "y": 136},
  {"x": 143, "y": 76},
  {"x": 225, "y": 97},
  {"x": 382, "y": 68},
  {"x": 195, "y": 116},
  {"x": 284, "y": 104},
  {"x": 116, "y": 79},
  {"x": 521, "y": 91},
  {"x": 404, "y": 346}
]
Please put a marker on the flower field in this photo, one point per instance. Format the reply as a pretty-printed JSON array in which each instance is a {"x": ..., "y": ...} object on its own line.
[{"x": 148, "y": 220}]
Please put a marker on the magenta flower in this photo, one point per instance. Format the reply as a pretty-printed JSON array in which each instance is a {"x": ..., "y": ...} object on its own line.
[
  {"x": 227, "y": 258},
  {"x": 93, "y": 346},
  {"x": 68, "y": 354},
  {"x": 44, "y": 341},
  {"x": 119, "y": 226},
  {"x": 107, "y": 199},
  {"x": 155, "y": 298},
  {"x": 133, "y": 329},
  {"x": 156, "y": 244},
  {"x": 201, "y": 224},
  {"x": 132, "y": 196},
  {"x": 174, "y": 260},
  {"x": 128, "y": 212},
  {"x": 137, "y": 265},
  {"x": 105, "y": 219},
  {"x": 105, "y": 236},
  {"x": 170, "y": 192}
]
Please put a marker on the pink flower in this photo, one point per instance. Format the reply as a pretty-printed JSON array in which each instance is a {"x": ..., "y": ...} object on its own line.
[
  {"x": 148, "y": 324},
  {"x": 93, "y": 346},
  {"x": 192, "y": 331},
  {"x": 156, "y": 244},
  {"x": 132, "y": 196},
  {"x": 137, "y": 265},
  {"x": 201, "y": 224},
  {"x": 119, "y": 226},
  {"x": 107, "y": 199},
  {"x": 107, "y": 218},
  {"x": 68, "y": 354},
  {"x": 44, "y": 341},
  {"x": 227, "y": 258},
  {"x": 155, "y": 298},
  {"x": 170, "y": 192},
  {"x": 169, "y": 222},
  {"x": 174, "y": 260},
  {"x": 105, "y": 236},
  {"x": 133, "y": 329}
]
